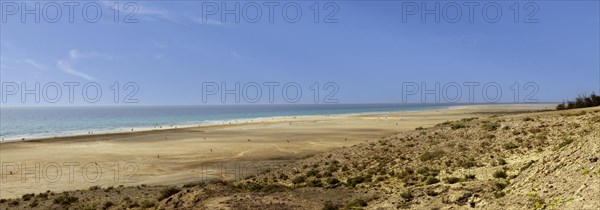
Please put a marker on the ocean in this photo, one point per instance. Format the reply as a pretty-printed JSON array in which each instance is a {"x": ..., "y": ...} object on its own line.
[{"x": 46, "y": 122}]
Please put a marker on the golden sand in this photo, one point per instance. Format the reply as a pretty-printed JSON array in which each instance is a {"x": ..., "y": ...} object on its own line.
[{"x": 176, "y": 156}]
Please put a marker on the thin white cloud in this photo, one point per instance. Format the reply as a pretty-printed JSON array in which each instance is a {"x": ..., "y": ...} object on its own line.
[
  {"x": 151, "y": 13},
  {"x": 142, "y": 11},
  {"x": 65, "y": 67},
  {"x": 210, "y": 22},
  {"x": 6, "y": 64},
  {"x": 35, "y": 64},
  {"x": 207, "y": 21},
  {"x": 75, "y": 54}
]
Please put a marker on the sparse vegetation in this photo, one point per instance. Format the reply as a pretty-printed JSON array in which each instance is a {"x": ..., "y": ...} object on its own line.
[
  {"x": 432, "y": 193},
  {"x": 352, "y": 182},
  {"x": 13, "y": 203},
  {"x": 259, "y": 187},
  {"x": 467, "y": 163},
  {"x": 298, "y": 180},
  {"x": 565, "y": 143},
  {"x": 431, "y": 155},
  {"x": 452, "y": 180},
  {"x": 426, "y": 171},
  {"x": 168, "y": 192},
  {"x": 596, "y": 119},
  {"x": 332, "y": 181},
  {"x": 27, "y": 197},
  {"x": 500, "y": 185},
  {"x": 582, "y": 101},
  {"x": 528, "y": 119},
  {"x": 502, "y": 162},
  {"x": 357, "y": 203},
  {"x": 330, "y": 206},
  {"x": 315, "y": 183},
  {"x": 491, "y": 126},
  {"x": 470, "y": 177},
  {"x": 407, "y": 195},
  {"x": 34, "y": 204},
  {"x": 509, "y": 146},
  {"x": 469, "y": 119},
  {"x": 431, "y": 180},
  {"x": 65, "y": 199},
  {"x": 457, "y": 126},
  {"x": 586, "y": 172},
  {"x": 107, "y": 204},
  {"x": 499, "y": 194},
  {"x": 500, "y": 174},
  {"x": 529, "y": 164},
  {"x": 148, "y": 203}
]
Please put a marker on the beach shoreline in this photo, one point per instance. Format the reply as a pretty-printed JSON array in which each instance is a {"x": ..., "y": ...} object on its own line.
[
  {"x": 133, "y": 130},
  {"x": 188, "y": 124},
  {"x": 180, "y": 155}
]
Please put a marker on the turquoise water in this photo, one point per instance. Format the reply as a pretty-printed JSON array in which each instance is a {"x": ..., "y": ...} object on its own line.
[{"x": 40, "y": 122}]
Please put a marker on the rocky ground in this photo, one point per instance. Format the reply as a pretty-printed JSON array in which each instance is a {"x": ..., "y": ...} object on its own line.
[{"x": 542, "y": 160}]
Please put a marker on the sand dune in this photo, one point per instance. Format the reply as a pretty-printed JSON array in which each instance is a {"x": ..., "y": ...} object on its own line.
[{"x": 177, "y": 156}]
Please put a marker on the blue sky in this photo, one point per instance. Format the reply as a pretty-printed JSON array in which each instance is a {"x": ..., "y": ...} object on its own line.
[{"x": 369, "y": 53}]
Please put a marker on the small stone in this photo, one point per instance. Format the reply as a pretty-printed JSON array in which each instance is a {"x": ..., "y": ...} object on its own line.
[{"x": 593, "y": 159}]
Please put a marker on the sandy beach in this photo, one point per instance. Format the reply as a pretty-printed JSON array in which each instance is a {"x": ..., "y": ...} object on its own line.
[{"x": 192, "y": 154}]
